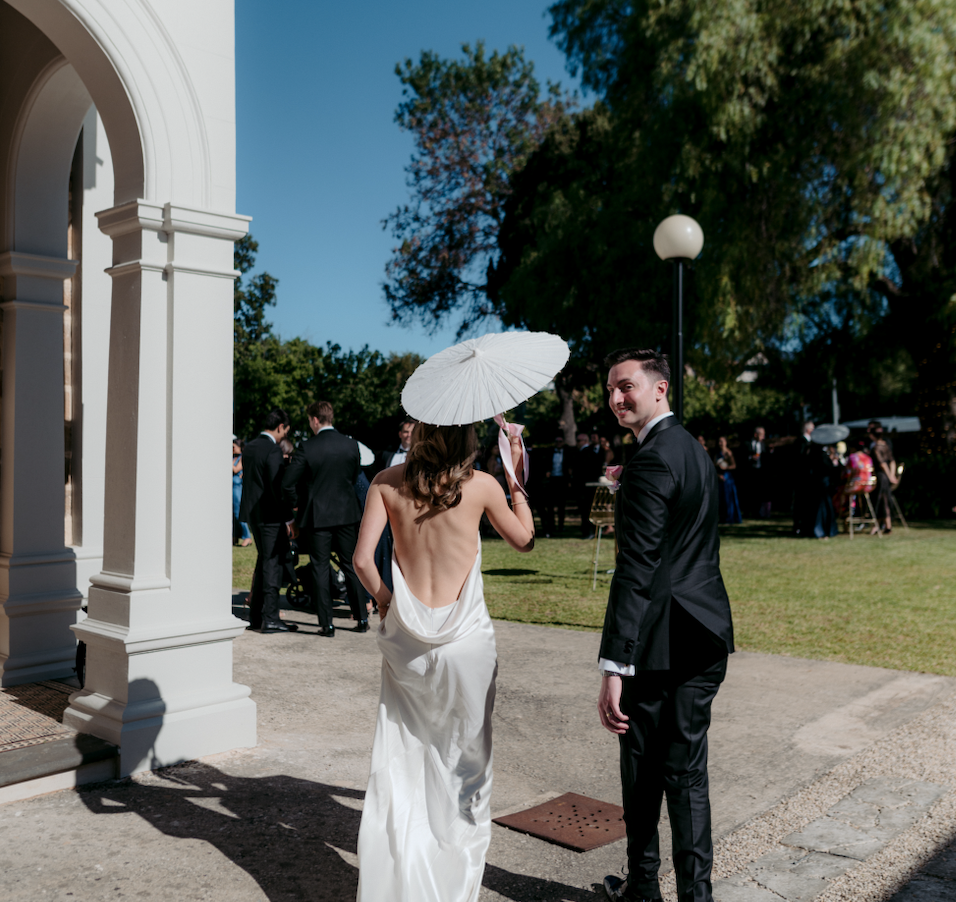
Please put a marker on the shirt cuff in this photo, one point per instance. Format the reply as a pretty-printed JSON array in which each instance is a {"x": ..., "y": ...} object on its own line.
[{"x": 614, "y": 667}]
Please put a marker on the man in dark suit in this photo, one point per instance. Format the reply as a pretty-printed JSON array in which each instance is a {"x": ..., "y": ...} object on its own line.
[
  {"x": 588, "y": 467},
  {"x": 552, "y": 475},
  {"x": 667, "y": 633},
  {"x": 396, "y": 455},
  {"x": 269, "y": 519},
  {"x": 320, "y": 482}
]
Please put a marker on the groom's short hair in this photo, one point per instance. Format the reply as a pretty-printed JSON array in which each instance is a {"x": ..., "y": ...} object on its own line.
[{"x": 652, "y": 361}]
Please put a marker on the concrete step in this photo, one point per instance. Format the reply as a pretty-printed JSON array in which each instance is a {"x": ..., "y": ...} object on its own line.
[{"x": 59, "y": 764}]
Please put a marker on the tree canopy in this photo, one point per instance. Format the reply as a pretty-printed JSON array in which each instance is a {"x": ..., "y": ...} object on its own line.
[
  {"x": 363, "y": 386},
  {"x": 813, "y": 142}
]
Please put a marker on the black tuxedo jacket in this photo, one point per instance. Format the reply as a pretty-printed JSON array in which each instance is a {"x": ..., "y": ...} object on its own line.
[
  {"x": 385, "y": 459},
  {"x": 669, "y": 551},
  {"x": 320, "y": 481},
  {"x": 262, "y": 483}
]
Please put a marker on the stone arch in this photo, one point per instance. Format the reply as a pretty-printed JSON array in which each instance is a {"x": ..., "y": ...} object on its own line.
[{"x": 139, "y": 83}]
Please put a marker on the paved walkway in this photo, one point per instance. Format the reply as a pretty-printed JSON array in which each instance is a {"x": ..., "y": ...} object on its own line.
[{"x": 829, "y": 781}]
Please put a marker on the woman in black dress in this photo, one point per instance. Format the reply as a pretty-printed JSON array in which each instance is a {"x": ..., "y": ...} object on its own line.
[{"x": 885, "y": 469}]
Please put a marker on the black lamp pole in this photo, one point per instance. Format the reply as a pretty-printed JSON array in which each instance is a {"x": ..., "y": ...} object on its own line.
[
  {"x": 677, "y": 341},
  {"x": 678, "y": 238}
]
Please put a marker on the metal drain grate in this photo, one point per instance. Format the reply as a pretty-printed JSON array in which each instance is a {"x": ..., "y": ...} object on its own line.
[{"x": 572, "y": 821}]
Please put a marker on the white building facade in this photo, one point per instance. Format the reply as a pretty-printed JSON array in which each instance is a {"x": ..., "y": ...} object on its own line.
[{"x": 117, "y": 195}]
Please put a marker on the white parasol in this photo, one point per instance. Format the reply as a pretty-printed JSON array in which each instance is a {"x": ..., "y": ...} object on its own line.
[{"x": 481, "y": 377}]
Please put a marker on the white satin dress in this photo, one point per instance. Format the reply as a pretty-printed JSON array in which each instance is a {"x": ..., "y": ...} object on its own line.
[{"x": 426, "y": 823}]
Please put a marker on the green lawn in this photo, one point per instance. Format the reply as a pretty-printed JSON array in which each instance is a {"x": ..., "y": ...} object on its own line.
[{"x": 887, "y": 602}]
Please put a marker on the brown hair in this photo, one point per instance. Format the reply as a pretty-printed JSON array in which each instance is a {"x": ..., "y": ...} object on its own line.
[
  {"x": 651, "y": 361},
  {"x": 321, "y": 411},
  {"x": 440, "y": 461}
]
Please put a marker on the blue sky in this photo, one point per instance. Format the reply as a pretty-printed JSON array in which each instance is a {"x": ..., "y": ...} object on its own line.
[{"x": 320, "y": 159}]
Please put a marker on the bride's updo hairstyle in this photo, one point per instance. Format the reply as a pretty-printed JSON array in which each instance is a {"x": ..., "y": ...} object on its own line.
[{"x": 440, "y": 461}]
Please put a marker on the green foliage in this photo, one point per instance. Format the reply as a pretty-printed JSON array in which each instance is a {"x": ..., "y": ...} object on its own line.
[
  {"x": 723, "y": 408},
  {"x": 363, "y": 386},
  {"x": 474, "y": 122}
]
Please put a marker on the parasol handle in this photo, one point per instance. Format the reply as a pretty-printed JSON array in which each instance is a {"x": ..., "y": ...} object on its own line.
[{"x": 504, "y": 446}]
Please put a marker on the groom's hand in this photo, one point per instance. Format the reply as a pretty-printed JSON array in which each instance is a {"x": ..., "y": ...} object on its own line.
[{"x": 609, "y": 705}]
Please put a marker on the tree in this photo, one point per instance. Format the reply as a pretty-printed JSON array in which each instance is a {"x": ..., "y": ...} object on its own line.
[
  {"x": 812, "y": 141},
  {"x": 474, "y": 122},
  {"x": 363, "y": 386}
]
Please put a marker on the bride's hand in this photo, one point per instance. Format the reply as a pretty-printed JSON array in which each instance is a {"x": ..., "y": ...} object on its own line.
[{"x": 517, "y": 457}]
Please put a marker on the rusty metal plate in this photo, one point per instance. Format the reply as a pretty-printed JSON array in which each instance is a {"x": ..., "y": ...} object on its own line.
[{"x": 572, "y": 821}]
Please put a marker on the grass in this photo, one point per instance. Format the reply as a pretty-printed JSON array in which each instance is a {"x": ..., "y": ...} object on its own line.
[{"x": 887, "y": 602}]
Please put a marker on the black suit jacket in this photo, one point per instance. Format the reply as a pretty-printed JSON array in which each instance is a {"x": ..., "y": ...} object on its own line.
[
  {"x": 262, "y": 483},
  {"x": 320, "y": 481},
  {"x": 669, "y": 551}
]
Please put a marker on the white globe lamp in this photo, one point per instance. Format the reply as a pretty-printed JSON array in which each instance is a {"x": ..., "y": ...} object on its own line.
[{"x": 678, "y": 238}]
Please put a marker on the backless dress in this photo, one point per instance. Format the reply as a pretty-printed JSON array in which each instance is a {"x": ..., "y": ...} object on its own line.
[{"x": 426, "y": 823}]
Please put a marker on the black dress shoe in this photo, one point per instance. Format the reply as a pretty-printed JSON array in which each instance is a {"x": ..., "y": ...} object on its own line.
[
  {"x": 617, "y": 891},
  {"x": 254, "y": 628},
  {"x": 327, "y": 631},
  {"x": 362, "y": 627},
  {"x": 277, "y": 626}
]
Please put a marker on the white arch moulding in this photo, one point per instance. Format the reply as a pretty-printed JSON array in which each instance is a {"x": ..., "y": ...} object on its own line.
[{"x": 160, "y": 629}]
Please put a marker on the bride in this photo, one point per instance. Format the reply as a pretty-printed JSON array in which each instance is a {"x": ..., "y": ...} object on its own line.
[{"x": 426, "y": 823}]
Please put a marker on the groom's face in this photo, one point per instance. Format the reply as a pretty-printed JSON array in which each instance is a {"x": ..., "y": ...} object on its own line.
[{"x": 634, "y": 395}]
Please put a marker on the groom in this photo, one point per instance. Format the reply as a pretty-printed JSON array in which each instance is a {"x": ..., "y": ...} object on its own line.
[{"x": 667, "y": 633}]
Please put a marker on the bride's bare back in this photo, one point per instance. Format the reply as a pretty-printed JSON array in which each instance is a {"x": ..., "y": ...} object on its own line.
[{"x": 435, "y": 549}]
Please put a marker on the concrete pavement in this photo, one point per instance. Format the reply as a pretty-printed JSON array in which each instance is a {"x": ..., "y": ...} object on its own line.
[{"x": 279, "y": 822}]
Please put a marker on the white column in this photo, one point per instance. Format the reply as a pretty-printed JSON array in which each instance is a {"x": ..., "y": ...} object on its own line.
[
  {"x": 160, "y": 626},
  {"x": 38, "y": 595}
]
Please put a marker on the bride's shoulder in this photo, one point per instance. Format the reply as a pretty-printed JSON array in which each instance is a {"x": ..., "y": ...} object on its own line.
[{"x": 391, "y": 477}]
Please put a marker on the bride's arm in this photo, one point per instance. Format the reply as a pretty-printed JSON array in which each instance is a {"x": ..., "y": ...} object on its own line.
[
  {"x": 516, "y": 524},
  {"x": 374, "y": 521}
]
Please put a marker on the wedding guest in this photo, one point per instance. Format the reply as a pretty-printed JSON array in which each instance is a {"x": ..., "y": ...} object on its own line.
[
  {"x": 885, "y": 468},
  {"x": 394, "y": 456},
  {"x": 702, "y": 442},
  {"x": 240, "y": 530},
  {"x": 758, "y": 481},
  {"x": 320, "y": 484},
  {"x": 726, "y": 465},
  {"x": 804, "y": 509},
  {"x": 550, "y": 474},
  {"x": 588, "y": 468},
  {"x": 285, "y": 446},
  {"x": 610, "y": 455},
  {"x": 268, "y": 516}
]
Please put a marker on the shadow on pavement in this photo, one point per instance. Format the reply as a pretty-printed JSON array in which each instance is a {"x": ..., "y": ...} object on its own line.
[
  {"x": 935, "y": 881},
  {"x": 294, "y": 837}
]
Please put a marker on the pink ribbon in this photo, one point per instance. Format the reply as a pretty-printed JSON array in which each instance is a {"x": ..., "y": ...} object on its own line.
[
  {"x": 614, "y": 474},
  {"x": 504, "y": 446}
]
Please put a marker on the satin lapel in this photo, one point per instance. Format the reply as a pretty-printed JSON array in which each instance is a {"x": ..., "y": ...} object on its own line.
[{"x": 659, "y": 427}]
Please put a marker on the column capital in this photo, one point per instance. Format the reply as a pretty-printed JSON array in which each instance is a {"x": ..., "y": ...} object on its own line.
[
  {"x": 133, "y": 216},
  {"x": 15, "y": 263},
  {"x": 211, "y": 224},
  {"x": 136, "y": 215}
]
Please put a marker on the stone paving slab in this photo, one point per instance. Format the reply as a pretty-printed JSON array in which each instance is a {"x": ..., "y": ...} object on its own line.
[{"x": 857, "y": 827}]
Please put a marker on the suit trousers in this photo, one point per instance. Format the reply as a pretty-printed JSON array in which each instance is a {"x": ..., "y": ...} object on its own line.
[
  {"x": 264, "y": 601},
  {"x": 664, "y": 753},
  {"x": 319, "y": 542}
]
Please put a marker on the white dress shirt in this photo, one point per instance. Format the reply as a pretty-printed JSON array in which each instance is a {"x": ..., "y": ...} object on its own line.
[{"x": 604, "y": 663}]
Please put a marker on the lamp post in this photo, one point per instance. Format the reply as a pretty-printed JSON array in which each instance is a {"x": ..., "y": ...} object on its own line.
[{"x": 678, "y": 238}]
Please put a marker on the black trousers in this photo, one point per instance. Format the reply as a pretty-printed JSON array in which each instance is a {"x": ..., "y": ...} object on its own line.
[
  {"x": 318, "y": 543},
  {"x": 664, "y": 754},
  {"x": 264, "y": 601},
  {"x": 554, "y": 494}
]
